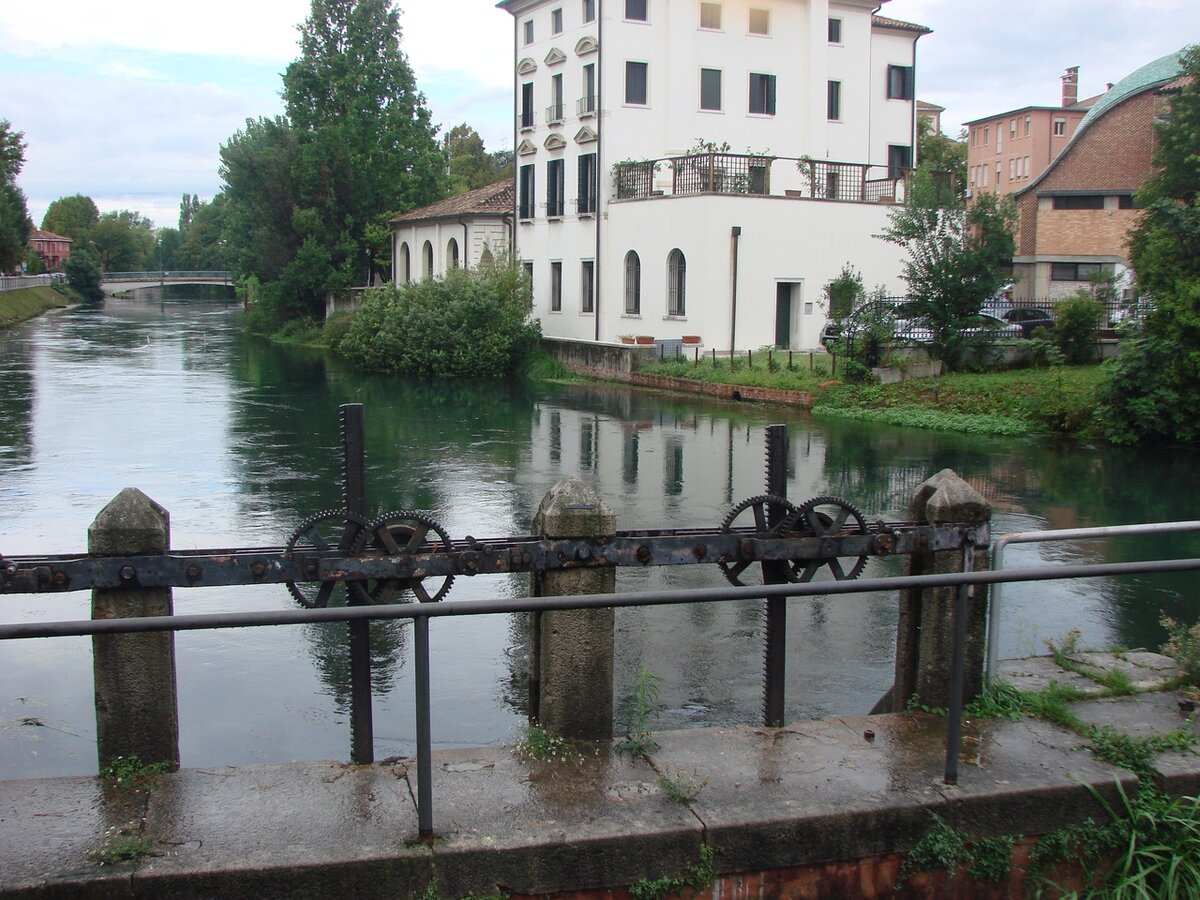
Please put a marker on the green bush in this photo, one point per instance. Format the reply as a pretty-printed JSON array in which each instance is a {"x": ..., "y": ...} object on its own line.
[
  {"x": 1077, "y": 328},
  {"x": 1149, "y": 395},
  {"x": 467, "y": 325},
  {"x": 82, "y": 269}
]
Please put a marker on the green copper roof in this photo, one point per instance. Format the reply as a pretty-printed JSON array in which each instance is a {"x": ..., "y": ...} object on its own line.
[{"x": 1162, "y": 70}]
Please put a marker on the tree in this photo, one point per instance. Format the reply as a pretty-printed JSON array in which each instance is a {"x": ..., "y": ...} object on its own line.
[
  {"x": 940, "y": 153},
  {"x": 366, "y": 144},
  {"x": 955, "y": 259},
  {"x": 71, "y": 217},
  {"x": 471, "y": 166},
  {"x": 123, "y": 241},
  {"x": 14, "y": 214},
  {"x": 1154, "y": 385},
  {"x": 82, "y": 269},
  {"x": 204, "y": 246},
  {"x": 187, "y": 211}
]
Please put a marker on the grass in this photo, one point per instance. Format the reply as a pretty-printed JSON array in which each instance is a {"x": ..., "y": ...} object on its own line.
[
  {"x": 538, "y": 743},
  {"x": 126, "y": 849},
  {"x": 28, "y": 303},
  {"x": 131, "y": 769}
]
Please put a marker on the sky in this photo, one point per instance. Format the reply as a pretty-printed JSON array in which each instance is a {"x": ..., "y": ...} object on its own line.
[{"x": 128, "y": 101}]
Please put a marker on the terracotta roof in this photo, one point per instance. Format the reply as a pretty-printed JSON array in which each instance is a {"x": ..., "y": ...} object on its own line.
[
  {"x": 885, "y": 22},
  {"x": 40, "y": 235},
  {"x": 494, "y": 200}
]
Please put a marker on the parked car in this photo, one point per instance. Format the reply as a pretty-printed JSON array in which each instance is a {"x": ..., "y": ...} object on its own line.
[
  {"x": 983, "y": 324},
  {"x": 1029, "y": 318}
]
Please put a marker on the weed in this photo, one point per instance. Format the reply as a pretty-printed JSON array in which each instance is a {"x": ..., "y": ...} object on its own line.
[
  {"x": 945, "y": 847},
  {"x": 538, "y": 743},
  {"x": 681, "y": 787},
  {"x": 991, "y": 858},
  {"x": 699, "y": 878},
  {"x": 130, "y": 769},
  {"x": 914, "y": 704},
  {"x": 127, "y": 849},
  {"x": 1183, "y": 646},
  {"x": 999, "y": 700},
  {"x": 642, "y": 707}
]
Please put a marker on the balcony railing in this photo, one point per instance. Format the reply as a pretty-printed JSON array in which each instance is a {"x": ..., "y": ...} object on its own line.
[
  {"x": 755, "y": 175},
  {"x": 586, "y": 106},
  {"x": 554, "y": 113},
  {"x": 525, "y": 119}
]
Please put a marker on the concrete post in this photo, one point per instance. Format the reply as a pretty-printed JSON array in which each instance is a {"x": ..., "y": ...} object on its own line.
[
  {"x": 925, "y": 634},
  {"x": 137, "y": 712},
  {"x": 572, "y": 680}
]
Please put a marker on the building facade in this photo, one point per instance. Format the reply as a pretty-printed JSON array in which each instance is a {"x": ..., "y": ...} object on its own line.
[
  {"x": 703, "y": 169},
  {"x": 471, "y": 230},
  {"x": 1074, "y": 219},
  {"x": 52, "y": 249},
  {"x": 1008, "y": 151}
]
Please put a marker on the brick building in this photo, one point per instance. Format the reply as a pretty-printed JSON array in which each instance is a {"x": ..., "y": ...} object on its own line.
[
  {"x": 1075, "y": 217},
  {"x": 52, "y": 249},
  {"x": 1005, "y": 152}
]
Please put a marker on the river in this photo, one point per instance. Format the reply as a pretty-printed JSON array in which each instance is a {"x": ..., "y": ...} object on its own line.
[{"x": 239, "y": 440}]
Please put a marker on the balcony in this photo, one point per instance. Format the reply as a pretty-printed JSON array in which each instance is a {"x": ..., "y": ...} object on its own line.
[
  {"x": 525, "y": 120},
  {"x": 554, "y": 114},
  {"x": 798, "y": 178},
  {"x": 585, "y": 107}
]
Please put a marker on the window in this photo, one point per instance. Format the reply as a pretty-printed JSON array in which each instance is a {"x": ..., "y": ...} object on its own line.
[
  {"x": 985, "y": 135},
  {"x": 635, "y": 83},
  {"x": 999, "y": 137},
  {"x": 1060, "y": 127},
  {"x": 899, "y": 82},
  {"x": 710, "y": 89},
  {"x": 1125, "y": 201},
  {"x": 556, "y": 287},
  {"x": 554, "y": 113},
  {"x": 762, "y": 94},
  {"x": 586, "y": 198},
  {"x": 528, "y": 32},
  {"x": 1025, "y": 168},
  {"x": 527, "y": 105},
  {"x": 589, "y": 10},
  {"x": 404, "y": 270},
  {"x": 554, "y": 188},
  {"x": 526, "y": 205},
  {"x": 527, "y": 267},
  {"x": 1028, "y": 124},
  {"x": 676, "y": 284},
  {"x": 1012, "y": 170},
  {"x": 835, "y": 31},
  {"x": 635, "y": 10},
  {"x": 587, "y": 286},
  {"x": 556, "y": 21},
  {"x": 760, "y": 21},
  {"x": 633, "y": 284},
  {"x": 833, "y": 110},
  {"x": 427, "y": 254},
  {"x": 1080, "y": 201},
  {"x": 1012, "y": 129},
  {"x": 1073, "y": 271},
  {"x": 710, "y": 16},
  {"x": 899, "y": 160},
  {"x": 587, "y": 103},
  {"x": 452, "y": 254}
]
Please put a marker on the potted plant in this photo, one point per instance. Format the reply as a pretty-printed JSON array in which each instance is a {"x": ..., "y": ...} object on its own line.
[{"x": 645, "y": 339}]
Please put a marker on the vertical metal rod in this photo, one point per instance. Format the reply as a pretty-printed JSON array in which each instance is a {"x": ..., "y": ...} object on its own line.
[
  {"x": 958, "y": 665},
  {"x": 362, "y": 739},
  {"x": 775, "y": 637},
  {"x": 424, "y": 739}
]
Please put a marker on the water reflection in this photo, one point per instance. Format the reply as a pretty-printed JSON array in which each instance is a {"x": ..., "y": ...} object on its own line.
[{"x": 240, "y": 441}]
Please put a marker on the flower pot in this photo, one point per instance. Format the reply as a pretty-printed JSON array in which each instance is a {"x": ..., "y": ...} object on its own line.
[
  {"x": 691, "y": 338},
  {"x": 645, "y": 339},
  {"x": 627, "y": 339}
]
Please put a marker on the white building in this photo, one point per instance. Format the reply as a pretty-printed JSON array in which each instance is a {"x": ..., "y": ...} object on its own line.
[
  {"x": 470, "y": 231},
  {"x": 704, "y": 169}
]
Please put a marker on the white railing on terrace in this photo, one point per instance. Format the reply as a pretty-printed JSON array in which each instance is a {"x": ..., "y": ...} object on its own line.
[
  {"x": 17, "y": 282},
  {"x": 753, "y": 175}
]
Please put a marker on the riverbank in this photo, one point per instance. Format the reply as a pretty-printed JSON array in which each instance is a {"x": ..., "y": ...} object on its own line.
[
  {"x": 28, "y": 303},
  {"x": 842, "y": 806}
]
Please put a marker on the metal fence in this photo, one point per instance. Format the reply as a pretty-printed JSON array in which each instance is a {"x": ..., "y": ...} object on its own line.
[{"x": 18, "y": 282}]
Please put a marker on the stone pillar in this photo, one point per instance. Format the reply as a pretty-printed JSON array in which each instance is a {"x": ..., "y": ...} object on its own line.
[
  {"x": 925, "y": 634},
  {"x": 572, "y": 681},
  {"x": 137, "y": 712}
]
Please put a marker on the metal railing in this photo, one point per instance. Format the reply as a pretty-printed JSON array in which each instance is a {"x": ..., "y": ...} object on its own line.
[
  {"x": 1061, "y": 534},
  {"x": 19, "y": 282},
  {"x": 421, "y": 613},
  {"x": 206, "y": 275}
]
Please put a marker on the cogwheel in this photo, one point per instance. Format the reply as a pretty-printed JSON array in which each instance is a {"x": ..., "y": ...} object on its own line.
[
  {"x": 771, "y": 515},
  {"x": 332, "y": 529},
  {"x": 396, "y": 534},
  {"x": 828, "y": 517}
]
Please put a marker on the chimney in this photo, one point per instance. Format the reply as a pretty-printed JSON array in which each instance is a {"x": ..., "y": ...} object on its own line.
[{"x": 1070, "y": 87}]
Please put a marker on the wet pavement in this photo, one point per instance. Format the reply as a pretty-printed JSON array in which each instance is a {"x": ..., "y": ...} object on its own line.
[{"x": 812, "y": 793}]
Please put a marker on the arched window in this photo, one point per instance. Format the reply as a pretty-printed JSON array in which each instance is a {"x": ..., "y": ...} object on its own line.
[
  {"x": 427, "y": 252},
  {"x": 676, "y": 284},
  {"x": 404, "y": 265},
  {"x": 452, "y": 254},
  {"x": 633, "y": 284}
]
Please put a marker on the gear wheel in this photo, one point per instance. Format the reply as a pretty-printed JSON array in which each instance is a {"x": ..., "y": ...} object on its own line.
[
  {"x": 764, "y": 510},
  {"x": 332, "y": 529},
  {"x": 828, "y": 517},
  {"x": 396, "y": 534}
]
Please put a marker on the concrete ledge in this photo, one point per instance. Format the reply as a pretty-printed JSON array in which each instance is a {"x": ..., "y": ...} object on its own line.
[{"x": 839, "y": 793}]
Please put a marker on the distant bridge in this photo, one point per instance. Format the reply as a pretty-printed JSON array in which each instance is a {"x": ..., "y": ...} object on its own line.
[{"x": 119, "y": 282}]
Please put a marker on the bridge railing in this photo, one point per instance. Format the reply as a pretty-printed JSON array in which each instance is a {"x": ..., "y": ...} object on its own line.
[
  {"x": 18, "y": 282},
  {"x": 206, "y": 274}
]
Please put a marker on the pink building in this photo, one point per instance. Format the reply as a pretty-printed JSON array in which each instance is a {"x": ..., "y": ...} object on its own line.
[
  {"x": 1008, "y": 151},
  {"x": 52, "y": 249}
]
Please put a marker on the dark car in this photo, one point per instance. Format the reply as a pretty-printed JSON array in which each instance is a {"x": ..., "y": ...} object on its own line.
[{"x": 1029, "y": 318}]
